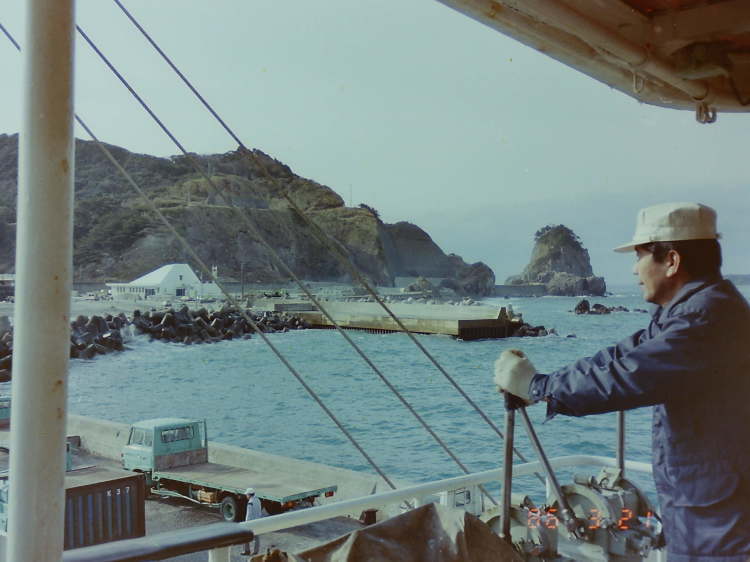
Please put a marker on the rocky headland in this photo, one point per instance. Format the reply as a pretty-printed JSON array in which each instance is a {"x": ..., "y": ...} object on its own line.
[
  {"x": 560, "y": 263},
  {"x": 118, "y": 239}
]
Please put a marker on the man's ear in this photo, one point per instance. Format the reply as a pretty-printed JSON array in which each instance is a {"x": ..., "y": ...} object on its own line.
[{"x": 673, "y": 261}]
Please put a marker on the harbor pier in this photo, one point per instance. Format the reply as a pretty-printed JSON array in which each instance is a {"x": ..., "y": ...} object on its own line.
[{"x": 463, "y": 322}]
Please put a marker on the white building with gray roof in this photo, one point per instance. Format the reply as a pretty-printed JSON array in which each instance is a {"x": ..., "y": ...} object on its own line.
[{"x": 174, "y": 280}]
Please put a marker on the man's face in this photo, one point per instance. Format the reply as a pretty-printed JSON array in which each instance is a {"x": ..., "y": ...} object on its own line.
[{"x": 655, "y": 280}]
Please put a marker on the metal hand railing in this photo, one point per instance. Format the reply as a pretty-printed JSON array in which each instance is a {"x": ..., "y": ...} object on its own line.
[{"x": 218, "y": 537}]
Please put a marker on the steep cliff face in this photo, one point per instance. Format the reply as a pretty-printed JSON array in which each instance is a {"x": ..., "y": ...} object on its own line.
[
  {"x": 117, "y": 238},
  {"x": 561, "y": 263},
  {"x": 411, "y": 252}
]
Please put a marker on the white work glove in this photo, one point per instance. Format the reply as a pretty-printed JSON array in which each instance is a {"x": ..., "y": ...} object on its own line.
[{"x": 513, "y": 373}]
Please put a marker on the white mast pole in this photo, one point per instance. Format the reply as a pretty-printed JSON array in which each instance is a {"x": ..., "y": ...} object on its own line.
[{"x": 44, "y": 256}]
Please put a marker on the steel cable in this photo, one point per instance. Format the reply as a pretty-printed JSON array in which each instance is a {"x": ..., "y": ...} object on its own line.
[
  {"x": 323, "y": 236},
  {"x": 188, "y": 248},
  {"x": 243, "y": 216}
]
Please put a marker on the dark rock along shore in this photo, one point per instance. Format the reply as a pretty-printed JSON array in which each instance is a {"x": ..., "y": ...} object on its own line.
[
  {"x": 585, "y": 307},
  {"x": 99, "y": 335}
]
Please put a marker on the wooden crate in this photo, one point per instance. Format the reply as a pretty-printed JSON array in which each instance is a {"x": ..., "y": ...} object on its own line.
[{"x": 205, "y": 496}]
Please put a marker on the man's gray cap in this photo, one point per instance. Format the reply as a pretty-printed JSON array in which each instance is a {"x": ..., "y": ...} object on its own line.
[{"x": 670, "y": 222}]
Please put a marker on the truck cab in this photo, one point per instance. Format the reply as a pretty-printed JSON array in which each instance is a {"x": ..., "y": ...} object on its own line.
[
  {"x": 164, "y": 443},
  {"x": 172, "y": 453}
]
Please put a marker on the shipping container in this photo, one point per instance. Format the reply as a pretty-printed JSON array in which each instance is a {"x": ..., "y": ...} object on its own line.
[{"x": 101, "y": 505}]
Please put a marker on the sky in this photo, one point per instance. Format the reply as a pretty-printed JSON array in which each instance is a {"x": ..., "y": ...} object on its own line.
[{"x": 412, "y": 108}]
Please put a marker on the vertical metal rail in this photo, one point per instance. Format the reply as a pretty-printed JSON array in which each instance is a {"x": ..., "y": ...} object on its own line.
[
  {"x": 566, "y": 513},
  {"x": 44, "y": 256},
  {"x": 221, "y": 554},
  {"x": 620, "y": 454},
  {"x": 510, "y": 422}
]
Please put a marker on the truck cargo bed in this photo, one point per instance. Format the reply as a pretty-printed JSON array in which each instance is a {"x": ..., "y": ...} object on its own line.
[{"x": 276, "y": 486}]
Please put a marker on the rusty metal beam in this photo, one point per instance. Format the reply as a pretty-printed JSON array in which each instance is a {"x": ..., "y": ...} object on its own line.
[{"x": 707, "y": 22}]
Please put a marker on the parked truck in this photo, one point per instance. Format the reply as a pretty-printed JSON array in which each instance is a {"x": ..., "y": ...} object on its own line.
[{"x": 172, "y": 453}]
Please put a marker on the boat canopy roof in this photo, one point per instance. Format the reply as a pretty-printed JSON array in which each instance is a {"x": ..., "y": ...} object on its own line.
[{"x": 683, "y": 54}]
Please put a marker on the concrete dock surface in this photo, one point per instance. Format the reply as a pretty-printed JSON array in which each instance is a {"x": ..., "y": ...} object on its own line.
[
  {"x": 464, "y": 322},
  {"x": 101, "y": 442}
]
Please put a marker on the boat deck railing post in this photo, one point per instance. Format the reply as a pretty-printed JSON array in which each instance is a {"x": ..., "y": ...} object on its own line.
[{"x": 44, "y": 261}]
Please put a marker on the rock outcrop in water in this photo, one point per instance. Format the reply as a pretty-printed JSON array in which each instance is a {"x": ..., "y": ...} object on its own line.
[
  {"x": 585, "y": 307},
  {"x": 561, "y": 263},
  {"x": 118, "y": 239}
]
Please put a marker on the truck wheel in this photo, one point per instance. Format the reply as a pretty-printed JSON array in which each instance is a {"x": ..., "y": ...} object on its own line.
[{"x": 230, "y": 509}]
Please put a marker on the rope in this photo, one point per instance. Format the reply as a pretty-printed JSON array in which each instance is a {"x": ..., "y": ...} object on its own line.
[
  {"x": 178, "y": 72},
  {"x": 275, "y": 255},
  {"x": 186, "y": 246},
  {"x": 321, "y": 235}
]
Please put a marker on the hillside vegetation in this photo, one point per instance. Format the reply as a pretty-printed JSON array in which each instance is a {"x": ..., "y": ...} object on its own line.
[{"x": 117, "y": 238}]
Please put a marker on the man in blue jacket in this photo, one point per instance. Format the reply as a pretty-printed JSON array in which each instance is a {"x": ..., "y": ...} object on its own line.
[{"x": 692, "y": 363}]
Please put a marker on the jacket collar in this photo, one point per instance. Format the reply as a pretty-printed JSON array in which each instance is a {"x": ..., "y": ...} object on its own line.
[{"x": 685, "y": 292}]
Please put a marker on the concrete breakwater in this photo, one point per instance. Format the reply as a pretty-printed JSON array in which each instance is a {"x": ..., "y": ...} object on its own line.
[
  {"x": 463, "y": 322},
  {"x": 535, "y": 290},
  {"x": 201, "y": 326},
  {"x": 99, "y": 335}
]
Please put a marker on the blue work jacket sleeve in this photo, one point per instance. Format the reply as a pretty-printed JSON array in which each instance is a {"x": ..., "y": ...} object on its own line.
[
  {"x": 609, "y": 354},
  {"x": 638, "y": 371}
]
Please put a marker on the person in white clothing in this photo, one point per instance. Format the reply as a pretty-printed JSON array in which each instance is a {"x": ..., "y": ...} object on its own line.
[{"x": 254, "y": 511}]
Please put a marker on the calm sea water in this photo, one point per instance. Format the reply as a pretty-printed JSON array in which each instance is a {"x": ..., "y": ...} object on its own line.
[{"x": 249, "y": 398}]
